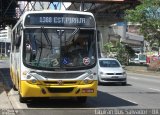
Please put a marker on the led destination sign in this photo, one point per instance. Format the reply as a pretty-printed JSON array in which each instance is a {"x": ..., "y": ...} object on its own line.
[{"x": 62, "y": 20}]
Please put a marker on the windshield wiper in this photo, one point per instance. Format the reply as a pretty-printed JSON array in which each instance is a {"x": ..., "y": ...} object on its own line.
[
  {"x": 46, "y": 36},
  {"x": 73, "y": 34}
]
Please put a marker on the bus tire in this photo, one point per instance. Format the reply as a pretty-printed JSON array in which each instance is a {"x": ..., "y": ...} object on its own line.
[
  {"x": 99, "y": 83},
  {"x": 14, "y": 88},
  {"x": 82, "y": 99},
  {"x": 22, "y": 99}
]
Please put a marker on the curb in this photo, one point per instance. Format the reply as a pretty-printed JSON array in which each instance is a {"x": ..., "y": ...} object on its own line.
[
  {"x": 141, "y": 70},
  {"x": 144, "y": 72}
]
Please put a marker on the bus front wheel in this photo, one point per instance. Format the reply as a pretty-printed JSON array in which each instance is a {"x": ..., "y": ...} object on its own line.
[
  {"x": 14, "y": 88},
  {"x": 22, "y": 99}
]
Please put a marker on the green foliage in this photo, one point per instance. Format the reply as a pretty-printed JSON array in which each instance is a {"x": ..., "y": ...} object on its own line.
[
  {"x": 123, "y": 52},
  {"x": 108, "y": 47},
  {"x": 148, "y": 15},
  {"x": 130, "y": 51}
]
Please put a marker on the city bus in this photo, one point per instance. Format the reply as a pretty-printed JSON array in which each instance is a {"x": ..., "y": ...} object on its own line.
[{"x": 54, "y": 55}]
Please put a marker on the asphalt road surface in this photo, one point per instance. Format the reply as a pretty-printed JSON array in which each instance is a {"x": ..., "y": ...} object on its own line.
[{"x": 141, "y": 92}]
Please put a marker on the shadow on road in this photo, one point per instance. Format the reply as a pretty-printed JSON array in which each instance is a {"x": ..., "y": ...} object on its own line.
[
  {"x": 113, "y": 84},
  {"x": 103, "y": 99}
]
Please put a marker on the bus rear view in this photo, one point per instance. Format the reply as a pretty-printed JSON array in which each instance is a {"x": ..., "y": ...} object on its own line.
[{"x": 54, "y": 54}]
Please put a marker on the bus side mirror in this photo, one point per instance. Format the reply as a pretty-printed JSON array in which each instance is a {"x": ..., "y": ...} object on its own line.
[{"x": 18, "y": 40}]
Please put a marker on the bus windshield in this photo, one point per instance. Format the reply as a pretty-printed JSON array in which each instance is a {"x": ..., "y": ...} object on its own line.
[{"x": 48, "y": 48}]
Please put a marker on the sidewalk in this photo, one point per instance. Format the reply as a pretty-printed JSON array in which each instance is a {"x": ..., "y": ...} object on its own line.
[
  {"x": 141, "y": 70},
  {"x": 4, "y": 100}
]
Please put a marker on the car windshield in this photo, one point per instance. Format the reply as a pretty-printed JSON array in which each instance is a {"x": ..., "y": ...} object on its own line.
[
  {"x": 59, "y": 48},
  {"x": 109, "y": 63}
]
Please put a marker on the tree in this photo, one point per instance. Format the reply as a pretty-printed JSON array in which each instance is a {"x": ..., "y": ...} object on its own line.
[
  {"x": 129, "y": 52},
  {"x": 148, "y": 15},
  {"x": 122, "y": 52},
  {"x": 107, "y": 47}
]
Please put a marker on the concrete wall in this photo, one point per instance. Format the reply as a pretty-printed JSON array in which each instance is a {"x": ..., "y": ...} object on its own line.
[
  {"x": 110, "y": 32},
  {"x": 113, "y": 30}
]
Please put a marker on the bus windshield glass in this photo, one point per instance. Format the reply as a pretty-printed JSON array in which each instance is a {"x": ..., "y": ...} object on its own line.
[{"x": 46, "y": 48}]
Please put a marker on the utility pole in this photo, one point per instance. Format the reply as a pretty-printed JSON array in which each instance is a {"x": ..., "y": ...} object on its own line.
[
  {"x": 0, "y": 14},
  {"x": 82, "y": 6},
  {"x": 1, "y": 48},
  {"x": 5, "y": 55}
]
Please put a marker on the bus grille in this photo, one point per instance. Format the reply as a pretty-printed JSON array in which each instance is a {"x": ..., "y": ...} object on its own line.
[
  {"x": 60, "y": 75},
  {"x": 60, "y": 90},
  {"x": 57, "y": 83}
]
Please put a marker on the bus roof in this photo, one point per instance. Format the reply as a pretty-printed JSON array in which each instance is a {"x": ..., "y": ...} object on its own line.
[
  {"x": 53, "y": 11},
  {"x": 59, "y": 11}
]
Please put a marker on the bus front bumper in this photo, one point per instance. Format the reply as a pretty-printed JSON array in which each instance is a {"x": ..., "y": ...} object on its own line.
[{"x": 43, "y": 90}]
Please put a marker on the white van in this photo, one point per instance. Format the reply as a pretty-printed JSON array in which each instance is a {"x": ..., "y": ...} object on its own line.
[{"x": 138, "y": 58}]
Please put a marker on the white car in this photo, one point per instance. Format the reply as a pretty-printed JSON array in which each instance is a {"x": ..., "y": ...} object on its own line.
[{"x": 111, "y": 71}]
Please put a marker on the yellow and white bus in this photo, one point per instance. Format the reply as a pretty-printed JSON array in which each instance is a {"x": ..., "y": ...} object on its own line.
[{"x": 54, "y": 54}]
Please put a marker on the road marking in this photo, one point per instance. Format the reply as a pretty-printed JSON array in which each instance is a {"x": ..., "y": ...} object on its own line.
[
  {"x": 130, "y": 101},
  {"x": 134, "y": 78},
  {"x": 155, "y": 89}
]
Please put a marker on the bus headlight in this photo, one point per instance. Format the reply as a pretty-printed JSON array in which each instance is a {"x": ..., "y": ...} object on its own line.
[
  {"x": 88, "y": 80},
  {"x": 32, "y": 80}
]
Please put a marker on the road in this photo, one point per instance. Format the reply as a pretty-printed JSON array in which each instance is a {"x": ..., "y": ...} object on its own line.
[{"x": 141, "y": 92}]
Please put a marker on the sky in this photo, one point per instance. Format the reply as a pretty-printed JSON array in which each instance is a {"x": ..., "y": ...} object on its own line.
[
  {"x": 59, "y": 5},
  {"x": 53, "y": 6}
]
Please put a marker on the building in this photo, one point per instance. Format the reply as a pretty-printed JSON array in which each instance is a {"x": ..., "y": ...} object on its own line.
[{"x": 5, "y": 39}]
